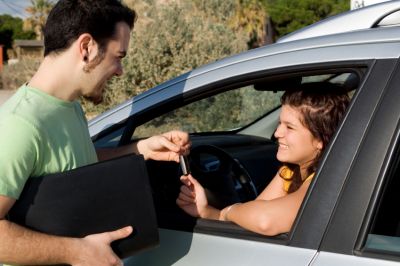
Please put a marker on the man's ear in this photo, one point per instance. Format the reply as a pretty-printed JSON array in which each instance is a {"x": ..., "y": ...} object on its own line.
[{"x": 85, "y": 44}]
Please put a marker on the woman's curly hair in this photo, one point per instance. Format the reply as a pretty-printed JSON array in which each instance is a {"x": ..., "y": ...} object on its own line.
[{"x": 322, "y": 107}]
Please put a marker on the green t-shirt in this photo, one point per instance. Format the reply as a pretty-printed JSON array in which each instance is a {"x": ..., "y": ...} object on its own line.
[{"x": 40, "y": 134}]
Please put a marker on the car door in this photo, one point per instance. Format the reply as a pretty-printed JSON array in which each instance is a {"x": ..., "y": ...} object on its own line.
[
  {"x": 364, "y": 229},
  {"x": 220, "y": 243},
  {"x": 205, "y": 242}
]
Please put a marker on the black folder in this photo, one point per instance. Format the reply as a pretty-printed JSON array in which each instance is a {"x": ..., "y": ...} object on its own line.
[{"x": 92, "y": 199}]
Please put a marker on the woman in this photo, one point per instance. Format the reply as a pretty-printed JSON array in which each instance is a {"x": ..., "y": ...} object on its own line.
[{"x": 308, "y": 120}]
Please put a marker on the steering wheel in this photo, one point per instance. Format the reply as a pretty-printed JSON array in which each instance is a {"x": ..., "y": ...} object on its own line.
[{"x": 223, "y": 177}]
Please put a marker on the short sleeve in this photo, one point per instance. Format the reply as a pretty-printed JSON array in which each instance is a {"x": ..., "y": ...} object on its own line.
[
  {"x": 79, "y": 110},
  {"x": 18, "y": 154}
]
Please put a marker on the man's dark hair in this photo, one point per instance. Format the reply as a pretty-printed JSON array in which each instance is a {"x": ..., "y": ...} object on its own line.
[{"x": 71, "y": 18}]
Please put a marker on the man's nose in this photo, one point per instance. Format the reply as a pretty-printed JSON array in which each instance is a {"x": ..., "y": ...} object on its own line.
[{"x": 119, "y": 71}]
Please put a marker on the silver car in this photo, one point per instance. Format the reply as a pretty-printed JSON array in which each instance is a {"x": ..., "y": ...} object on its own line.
[{"x": 230, "y": 108}]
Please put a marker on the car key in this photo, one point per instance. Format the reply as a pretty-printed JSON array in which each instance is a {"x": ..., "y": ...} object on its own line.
[{"x": 183, "y": 161}]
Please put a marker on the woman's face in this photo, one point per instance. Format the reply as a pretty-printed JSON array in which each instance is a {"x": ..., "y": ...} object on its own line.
[{"x": 296, "y": 143}]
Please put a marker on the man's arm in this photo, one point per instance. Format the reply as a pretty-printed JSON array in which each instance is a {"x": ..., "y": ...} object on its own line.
[
  {"x": 110, "y": 153},
  {"x": 165, "y": 147},
  {"x": 19, "y": 245}
]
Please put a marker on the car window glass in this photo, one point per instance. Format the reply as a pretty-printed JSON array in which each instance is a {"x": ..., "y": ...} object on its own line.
[
  {"x": 226, "y": 111},
  {"x": 392, "y": 19},
  {"x": 384, "y": 236}
]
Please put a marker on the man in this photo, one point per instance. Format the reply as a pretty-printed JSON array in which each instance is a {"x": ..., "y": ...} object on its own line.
[{"x": 43, "y": 129}]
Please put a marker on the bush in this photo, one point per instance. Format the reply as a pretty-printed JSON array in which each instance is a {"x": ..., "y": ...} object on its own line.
[
  {"x": 15, "y": 75},
  {"x": 170, "y": 40},
  {"x": 288, "y": 16}
]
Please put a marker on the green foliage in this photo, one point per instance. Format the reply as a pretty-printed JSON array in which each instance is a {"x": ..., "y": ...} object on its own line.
[
  {"x": 175, "y": 43},
  {"x": 11, "y": 28},
  {"x": 288, "y": 16},
  {"x": 217, "y": 10},
  {"x": 15, "y": 24},
  {"x": 171, "y": 39},
  {"x": 39, "y": 10},
  {"x": 251, "y": 17}
]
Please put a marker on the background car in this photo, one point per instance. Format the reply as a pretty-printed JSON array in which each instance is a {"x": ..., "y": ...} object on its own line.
[{"x": 231, "y": 107}]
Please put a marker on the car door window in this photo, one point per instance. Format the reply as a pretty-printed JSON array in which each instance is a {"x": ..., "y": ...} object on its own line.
[
  {"x": 231, "y": 110},
  {"x": 226, "y": 111},
  {"x": 384, "y": 236}
]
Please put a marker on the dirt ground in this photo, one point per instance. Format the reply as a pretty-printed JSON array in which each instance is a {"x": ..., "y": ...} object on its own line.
[{"x": 4, "y": 95}]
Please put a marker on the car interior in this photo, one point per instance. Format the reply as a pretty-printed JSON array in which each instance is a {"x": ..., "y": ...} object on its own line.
[{"x": 233, "y": 152}]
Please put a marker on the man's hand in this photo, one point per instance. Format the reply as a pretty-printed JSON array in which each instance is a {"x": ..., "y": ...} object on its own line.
[
  {"x": 95, "y": 249},
  {"x": 165, "y": 147},
  {"x": 22, "y": 246}
]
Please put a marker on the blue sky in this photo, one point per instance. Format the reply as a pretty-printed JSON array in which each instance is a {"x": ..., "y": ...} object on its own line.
[{"x": 15, "y": 8}]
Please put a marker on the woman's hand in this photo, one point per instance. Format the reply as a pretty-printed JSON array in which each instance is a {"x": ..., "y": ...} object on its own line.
[
  {"x": 192, "y": 199},
  {"x": 165, "y": 147}
]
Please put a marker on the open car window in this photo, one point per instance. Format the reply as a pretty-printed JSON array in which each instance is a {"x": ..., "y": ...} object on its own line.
[
  {"x": 226, "y": 111},
  {"x": 232, "y": 121},
  {"x": 235, "y": 109}
]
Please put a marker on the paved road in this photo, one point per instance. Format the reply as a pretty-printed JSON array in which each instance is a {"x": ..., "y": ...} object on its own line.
[{"x": 4, "y": 95}]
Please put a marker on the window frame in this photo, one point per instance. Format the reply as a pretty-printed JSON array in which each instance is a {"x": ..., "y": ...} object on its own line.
[
  {"x": 223, "y": 85},
  {"x": 234, "y": 231},
  {"x": 359, "y": 193},
  {"x": 298, "y": 236}
]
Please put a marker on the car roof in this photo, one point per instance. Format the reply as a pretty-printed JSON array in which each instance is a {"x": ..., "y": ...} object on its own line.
[{"x": 377, "y": 15}]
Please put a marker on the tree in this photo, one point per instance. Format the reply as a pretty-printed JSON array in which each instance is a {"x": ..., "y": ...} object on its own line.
[
  {"x": 39, "y": 10},
  {"x": 288, "y": 16},
  {"x": 251, "y": 17},
  {"x": 11, "y": 29},
  {"x": 248, "y": 16}
]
